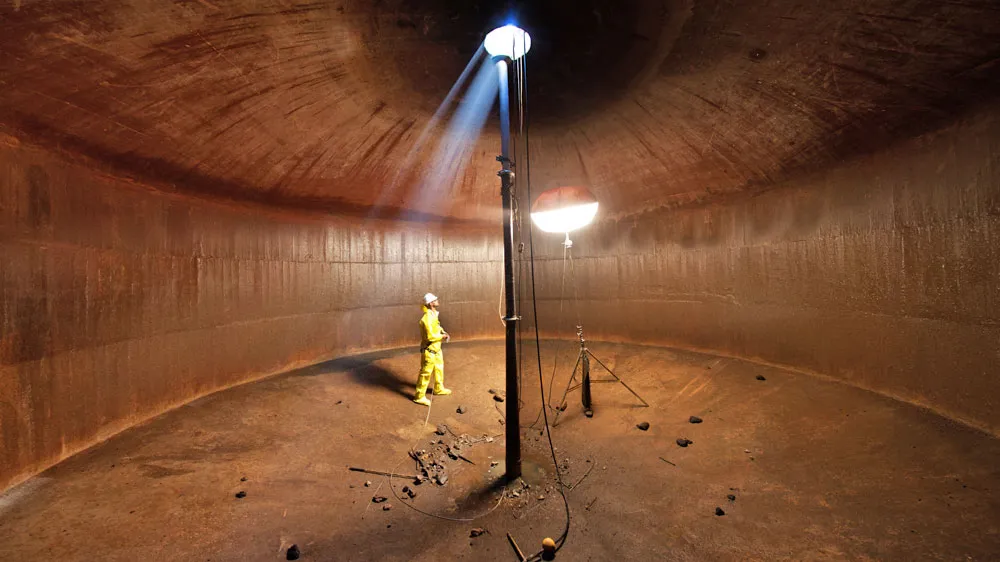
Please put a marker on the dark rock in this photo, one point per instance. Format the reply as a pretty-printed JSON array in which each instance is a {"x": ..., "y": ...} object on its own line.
[
  {"x": 441, "y": 430},
  {"x": 731, "y": 497},
  {"x": 241, "y": 494},
  {"x": 719, "y": 512},
  {"x": 761, "y": 378},
  {"x": 643, "y": 426},
  {"x": 442, "y": 479},
  {"x": 462, "y": 409},
  {"x": 694, "y": 419},
  {"x": 498, "y": 398},
  {"x": 378, "y": 499},
  {"x": 476, "y": 532},
  {"x": 684, "y": 442},
  {"x": 387, "y": 507},
  {"x": 293, "y": 553},
  {"x": 494, "y": 391}
]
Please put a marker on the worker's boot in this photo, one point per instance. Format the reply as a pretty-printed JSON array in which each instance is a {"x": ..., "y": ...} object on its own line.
[
  {"x": 442, "y": 392},
  {"x": 423, "y": 401}
]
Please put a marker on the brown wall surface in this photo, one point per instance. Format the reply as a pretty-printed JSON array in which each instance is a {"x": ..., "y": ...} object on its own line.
[
  {"x": 884, "y": 273},
  {"x": 118, "y": 302}
]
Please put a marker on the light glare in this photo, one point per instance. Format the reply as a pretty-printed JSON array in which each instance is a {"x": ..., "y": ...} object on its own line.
[
  {"x": 507, "y": 41},
  {"x": 566, "y": 219}
]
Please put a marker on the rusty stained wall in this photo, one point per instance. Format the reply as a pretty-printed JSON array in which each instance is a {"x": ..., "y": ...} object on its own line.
[
  {"x": 117, "y": 302},
  {"x": 884, "y": 273}
]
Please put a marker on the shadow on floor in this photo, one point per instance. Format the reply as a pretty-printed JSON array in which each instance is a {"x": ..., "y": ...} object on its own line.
[{"x": 363, "y": 369}]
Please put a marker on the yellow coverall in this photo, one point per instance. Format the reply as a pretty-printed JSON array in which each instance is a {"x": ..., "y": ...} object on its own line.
[{"x": 432, "y": 360}]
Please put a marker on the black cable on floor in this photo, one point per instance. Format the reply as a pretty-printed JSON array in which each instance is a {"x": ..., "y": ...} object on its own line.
[{"x": 534, "y": 303}]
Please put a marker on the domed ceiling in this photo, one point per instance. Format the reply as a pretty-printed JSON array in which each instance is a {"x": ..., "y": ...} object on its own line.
[{"x": 316, "y": 105}]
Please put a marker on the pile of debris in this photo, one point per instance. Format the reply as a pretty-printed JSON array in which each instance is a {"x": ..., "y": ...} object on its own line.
[{"x": 432, "y": 463}]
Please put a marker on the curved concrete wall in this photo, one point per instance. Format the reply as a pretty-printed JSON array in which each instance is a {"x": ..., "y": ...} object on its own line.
[
  {"x": 884, "y": 273},
  {"x": 118, "y": 302}
]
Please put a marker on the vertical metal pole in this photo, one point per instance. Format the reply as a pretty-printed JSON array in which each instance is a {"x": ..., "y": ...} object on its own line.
[{"x": 513, "y": 452}]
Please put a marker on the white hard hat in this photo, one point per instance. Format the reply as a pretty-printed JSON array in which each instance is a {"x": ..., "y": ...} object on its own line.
[{"x": 429, "y": 298}]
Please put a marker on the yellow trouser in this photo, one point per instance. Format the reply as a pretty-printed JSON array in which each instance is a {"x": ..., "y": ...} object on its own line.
[{"x": 432, "y": 362}]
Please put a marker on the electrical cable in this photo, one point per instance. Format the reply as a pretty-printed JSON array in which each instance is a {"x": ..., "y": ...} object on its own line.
[
  {"x": 555, "y": 360},
  {"x": 534, "y": 302},
  {"x": 503, "y": 495}
]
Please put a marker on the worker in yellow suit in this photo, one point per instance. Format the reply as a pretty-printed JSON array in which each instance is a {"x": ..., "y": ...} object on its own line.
[{"x": 432, "y": 358}]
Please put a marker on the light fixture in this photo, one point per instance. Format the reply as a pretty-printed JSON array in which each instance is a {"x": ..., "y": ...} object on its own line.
[
  {"x": 564, "y": 209},
  {"x": 508, "y": 41}
]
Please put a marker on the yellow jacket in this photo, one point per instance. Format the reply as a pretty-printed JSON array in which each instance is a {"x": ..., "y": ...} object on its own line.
[{"x": 431, "y": 334}]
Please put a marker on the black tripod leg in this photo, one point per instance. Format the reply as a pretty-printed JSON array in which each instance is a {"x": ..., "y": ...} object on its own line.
[
  {"x": 569, "y": 383},
  {"x": 627, "y": 387}
]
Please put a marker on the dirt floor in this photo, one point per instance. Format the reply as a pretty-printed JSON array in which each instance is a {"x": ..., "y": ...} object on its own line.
[{"x": 818, "y": 470}]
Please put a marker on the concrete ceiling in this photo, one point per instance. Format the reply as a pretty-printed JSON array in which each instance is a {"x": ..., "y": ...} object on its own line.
[{"x": 316, "y": 104}]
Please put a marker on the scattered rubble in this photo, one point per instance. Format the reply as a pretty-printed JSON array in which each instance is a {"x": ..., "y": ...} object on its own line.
[
  {"x": 244, "y": 479},
  {"x": 731, "y": 497},
  {"x": 379, "y": 499},
  {"x": 498, "y": 398},
  {"x": 241, "y": 494},
  {"x": 432, "y": 463},
  {"x": 694, "y": 419},
  {"x": 368, "y": 483},
  {"x": 761, "y": 378},
  {"x": 462, "y": 409},
  {"x": 387, "y": 507},
  {"x": 441, "y": 430},
  {"x": 684, "y": 442},
  {"x": 293, "y": 553},
  {"x": 476, "y": 532},
  {"x": 643, "y": 426},
  {"x": 719, "y": 512}
]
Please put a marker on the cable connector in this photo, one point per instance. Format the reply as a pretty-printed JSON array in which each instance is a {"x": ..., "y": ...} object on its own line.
[{"x": 503, "y": 160}]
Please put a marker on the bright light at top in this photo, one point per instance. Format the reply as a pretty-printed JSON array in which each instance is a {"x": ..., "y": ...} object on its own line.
[
  {"x": 566, "y": 219},
  {"x": 507, "y": 41}
]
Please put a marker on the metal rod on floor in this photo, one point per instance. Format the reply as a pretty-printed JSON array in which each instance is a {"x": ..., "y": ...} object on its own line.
[{"x": 380, "y": 473}]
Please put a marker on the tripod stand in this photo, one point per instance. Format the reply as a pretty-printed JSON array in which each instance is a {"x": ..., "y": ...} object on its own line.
[{"x": 583, "y": 359}]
